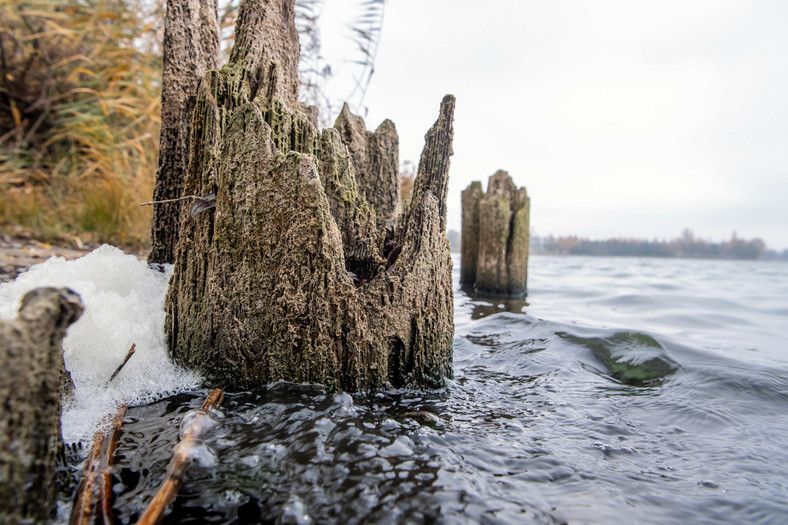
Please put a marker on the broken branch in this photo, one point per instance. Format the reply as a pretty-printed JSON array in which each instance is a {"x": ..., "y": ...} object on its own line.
[
  {"x": 98, "y": 464},
  {"x": 181, "y": 459},
  {"x": 126, "y": 360},
  {"x": 187, "y": 197}
]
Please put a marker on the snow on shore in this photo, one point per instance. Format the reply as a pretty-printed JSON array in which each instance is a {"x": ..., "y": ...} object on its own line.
[{"x": 124, "y": 304}]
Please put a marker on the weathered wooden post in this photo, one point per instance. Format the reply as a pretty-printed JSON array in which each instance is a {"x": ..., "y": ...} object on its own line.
[
  {"x": 191, "y": 47},
  {"x": 469, "y": 245},
  {"x": 375, "y": 159},
  {"x": 495, "y": 237},
  {"x": 292, "y": 275},
  {"x": 33, "y": 380}
]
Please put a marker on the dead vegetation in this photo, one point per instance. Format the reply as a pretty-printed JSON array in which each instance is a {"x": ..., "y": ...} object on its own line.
[{"x": 79, "y": 117}]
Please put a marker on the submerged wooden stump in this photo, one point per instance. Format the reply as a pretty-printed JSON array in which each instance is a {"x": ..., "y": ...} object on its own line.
[
  {"x": 287, "y": 278},
  {"x": 495, "y": 237},
  {"x": 33, "y": 380}
]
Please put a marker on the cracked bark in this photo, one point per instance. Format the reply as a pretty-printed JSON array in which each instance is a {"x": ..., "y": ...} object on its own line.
[
  {"x": 495, "y": 237},
  {"x": 191, "y": 47},
  {"x": 261, "y": 289}
]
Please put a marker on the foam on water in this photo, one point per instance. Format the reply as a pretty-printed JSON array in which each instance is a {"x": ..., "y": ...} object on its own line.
[{"x": 124, "y": 304}]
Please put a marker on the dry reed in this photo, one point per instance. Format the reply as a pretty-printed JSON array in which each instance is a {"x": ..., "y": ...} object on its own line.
[{"x": 79, "y": 117}]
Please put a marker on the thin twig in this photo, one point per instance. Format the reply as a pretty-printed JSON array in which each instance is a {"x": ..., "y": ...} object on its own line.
[
  {"x": 179, "y": 463},
  {"x": 187, "y": 197},
  {"x": 82, "y": 508},
  {"x": 126, "y": 360},
  {"x": 98, "y": 464}
]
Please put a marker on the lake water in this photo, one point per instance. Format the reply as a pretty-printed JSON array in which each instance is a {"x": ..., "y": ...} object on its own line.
[
  {"x": 620, "y": 391},
  {"x": 538, "y": 426}
]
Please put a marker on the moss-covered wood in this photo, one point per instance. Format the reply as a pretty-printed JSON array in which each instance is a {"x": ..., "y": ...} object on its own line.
[
  {"x": 33, "y": 381},
  {"x": 262, "y": 289},
  {"x": 376, "y": 162},
  {"x": 495, "y": 237},
  {"x": 191, "y": 47}
]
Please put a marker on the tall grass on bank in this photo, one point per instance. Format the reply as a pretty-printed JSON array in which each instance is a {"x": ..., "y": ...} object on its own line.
[
  {"x": 80, "y": 109},
  {"x": 79, "y": 117}
]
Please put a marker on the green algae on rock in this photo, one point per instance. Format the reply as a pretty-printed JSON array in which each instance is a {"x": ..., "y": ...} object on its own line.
[{"x": 631, "y": 357}]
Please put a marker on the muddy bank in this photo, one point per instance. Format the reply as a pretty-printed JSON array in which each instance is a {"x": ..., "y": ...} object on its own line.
[{"x": 19, "y": 252}]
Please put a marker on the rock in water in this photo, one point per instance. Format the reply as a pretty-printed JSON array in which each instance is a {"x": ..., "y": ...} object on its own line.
[
  {"x": 631, "y": 357},
  {"x": 495, "y": 237},
  {"x": 33, "y": 378}
]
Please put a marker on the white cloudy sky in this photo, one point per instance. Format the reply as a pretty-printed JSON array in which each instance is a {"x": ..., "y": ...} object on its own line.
[{"x": 621, "y": 117}]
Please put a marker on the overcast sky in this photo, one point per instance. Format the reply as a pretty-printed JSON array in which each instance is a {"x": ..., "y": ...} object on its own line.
[{"x": 621, "y": 118}]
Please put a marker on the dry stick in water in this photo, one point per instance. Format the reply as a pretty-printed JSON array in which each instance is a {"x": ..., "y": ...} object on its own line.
[
  {"x": 108, "y": 458},
  {"x": 180, "y": 461},
  {"x": 126, "y": 360},
  {"x": 98, "y": 464}
]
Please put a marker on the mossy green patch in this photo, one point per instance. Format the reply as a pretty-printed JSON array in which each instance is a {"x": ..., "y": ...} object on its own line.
[{"x": 631, "y": 357}]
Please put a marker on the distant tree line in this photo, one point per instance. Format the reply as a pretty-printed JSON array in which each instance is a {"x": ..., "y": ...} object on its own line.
[{"x": 685, "y": 246}]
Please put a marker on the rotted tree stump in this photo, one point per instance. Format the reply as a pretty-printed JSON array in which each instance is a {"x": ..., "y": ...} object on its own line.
[
  {"x": 33, "y": 381},
  {"x": 292, "y": 275},
  {"x": 495, "y": 237},
  {"x": 375, "y": 159},
  {"x": 191, "y": 47}
]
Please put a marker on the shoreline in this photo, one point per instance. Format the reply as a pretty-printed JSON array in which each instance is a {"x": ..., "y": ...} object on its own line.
[{"x": 19, "y": 253}]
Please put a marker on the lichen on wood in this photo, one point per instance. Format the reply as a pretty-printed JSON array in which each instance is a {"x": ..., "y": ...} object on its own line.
[
  {"x": 261, "y": 291},
  {"x": 375, "y": 158},
  {"x": 264, "y": 285},
  {"x": 495, "y": 237}
]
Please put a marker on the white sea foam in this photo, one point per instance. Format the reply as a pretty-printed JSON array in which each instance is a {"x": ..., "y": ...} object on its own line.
[{"x": 124, "y": 304}]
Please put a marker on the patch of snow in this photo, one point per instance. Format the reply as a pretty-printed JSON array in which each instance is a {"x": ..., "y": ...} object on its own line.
[{"x": 124, "y": 304}]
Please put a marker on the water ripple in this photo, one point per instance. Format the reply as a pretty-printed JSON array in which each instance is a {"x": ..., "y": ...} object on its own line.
[{"x": 549, "y": 418}]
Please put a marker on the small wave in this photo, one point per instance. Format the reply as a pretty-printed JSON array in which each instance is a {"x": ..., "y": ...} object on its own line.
[{"x": 633, "y": 358}]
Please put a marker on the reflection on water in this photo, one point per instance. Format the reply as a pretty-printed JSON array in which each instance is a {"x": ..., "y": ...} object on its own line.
[
  {"x": 484, "y": 305},
  {"x": 551, "y": 418},
  {"x": 483, "y": 309}
]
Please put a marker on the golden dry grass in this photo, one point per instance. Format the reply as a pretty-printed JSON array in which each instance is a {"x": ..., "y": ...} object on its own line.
[
  {"x": 407, "y": 177},
  {"x": 79, "y": 117}
]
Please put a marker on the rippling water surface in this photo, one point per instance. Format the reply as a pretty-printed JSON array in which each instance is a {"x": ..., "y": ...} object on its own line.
[{"x": 620, "y": 391}]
